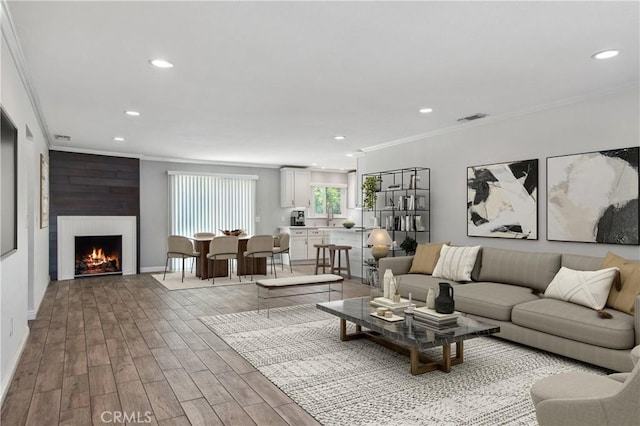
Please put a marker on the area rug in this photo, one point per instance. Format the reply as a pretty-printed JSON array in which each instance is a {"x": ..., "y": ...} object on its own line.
[
  {"x": 174, "y": 279},
  {"x": 361, "y": 383}
]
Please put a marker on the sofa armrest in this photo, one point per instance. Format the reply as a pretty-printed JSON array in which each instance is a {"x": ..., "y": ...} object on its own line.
[
  {"x": 636, "y": 320},
  {"x": 399, "y": 265}
]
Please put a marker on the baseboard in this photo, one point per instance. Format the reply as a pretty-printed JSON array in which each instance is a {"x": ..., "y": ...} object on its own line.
[
  {"x": 14, "y": 366},
  {"x": 151, "y": 269}
]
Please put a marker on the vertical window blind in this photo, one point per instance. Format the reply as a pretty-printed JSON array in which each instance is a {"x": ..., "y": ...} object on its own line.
[{"x": 209, "y": 202}]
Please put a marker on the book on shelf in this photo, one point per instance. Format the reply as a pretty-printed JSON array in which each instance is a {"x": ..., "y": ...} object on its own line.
[{"x": 388, "y": 303}]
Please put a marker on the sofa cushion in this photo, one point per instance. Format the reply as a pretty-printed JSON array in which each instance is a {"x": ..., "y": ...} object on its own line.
[
  {"x": 623, "y": 299},
  {"x": 581, "y": 263},
  {"x": 527, "y": 269},
  {"x": 419, "y": 285},
  {"x": 586, "y": 288},
  {"x": 575, "y": 322},
  {"x": 490, "y": 300},
  {"x": 426, "y": 257},
  {"x": 456, "y": 263}
]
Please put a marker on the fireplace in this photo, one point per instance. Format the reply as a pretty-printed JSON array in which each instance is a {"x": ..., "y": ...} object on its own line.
[{"x": 98, "y": 255}]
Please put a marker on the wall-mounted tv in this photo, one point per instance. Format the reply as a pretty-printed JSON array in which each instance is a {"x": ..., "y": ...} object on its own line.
[{"x": 8, "y": 185}]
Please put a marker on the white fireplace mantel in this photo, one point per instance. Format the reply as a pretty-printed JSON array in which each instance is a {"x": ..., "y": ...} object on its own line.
[{"x": 70, "y": 227}]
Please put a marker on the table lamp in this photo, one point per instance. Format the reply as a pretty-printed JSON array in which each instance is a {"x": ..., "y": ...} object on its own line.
[{"x": 379, "y": 240}]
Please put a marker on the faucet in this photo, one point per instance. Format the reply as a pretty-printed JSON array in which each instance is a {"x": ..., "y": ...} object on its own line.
[{"x": 329, "y": 214}]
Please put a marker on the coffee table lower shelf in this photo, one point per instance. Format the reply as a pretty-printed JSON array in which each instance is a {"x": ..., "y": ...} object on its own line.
[{"x": 420, "y": 363}]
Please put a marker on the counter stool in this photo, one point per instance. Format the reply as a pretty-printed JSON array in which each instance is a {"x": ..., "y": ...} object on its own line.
[
  {"x": 332, "y": 254},
  {"x": 325, "y": 259}
]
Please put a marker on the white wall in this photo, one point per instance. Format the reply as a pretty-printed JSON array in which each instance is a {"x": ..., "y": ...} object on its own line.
[
  {"x": 22, "y": 289},
  {"x": 154, "y": 202},
  {"x": 603, "y": 123}
]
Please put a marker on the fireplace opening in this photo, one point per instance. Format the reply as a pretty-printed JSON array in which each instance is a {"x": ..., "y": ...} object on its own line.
[{"x": 98, "y": 255}]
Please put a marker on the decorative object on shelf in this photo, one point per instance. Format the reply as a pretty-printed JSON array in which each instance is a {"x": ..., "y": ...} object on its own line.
[
  {"x": 348, "y": 224},
  {"x": 370, "y": 186},
  {"x": 593, "y": 197},
  {"x": 234, "y": 232},
  {"x": 409, "y": 246},
  {"x": 431, "y": 299},
  {"x": 444, "y": 303},
  {"x": 412, "y": 182},
  {"x": 380, "y": 240},
  {"x": 502, "y": 200}
]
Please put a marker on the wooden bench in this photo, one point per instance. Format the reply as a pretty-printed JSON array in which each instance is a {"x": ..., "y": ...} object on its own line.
[{"x": 301, "y": 281}]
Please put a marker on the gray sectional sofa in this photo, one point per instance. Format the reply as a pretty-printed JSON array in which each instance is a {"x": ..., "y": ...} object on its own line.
[{"x": 501, "y": 293}]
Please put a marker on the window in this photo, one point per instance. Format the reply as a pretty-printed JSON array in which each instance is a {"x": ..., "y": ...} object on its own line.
[
  {"x": 209, "y": 202},
  {"x": 328, "y": 200}
]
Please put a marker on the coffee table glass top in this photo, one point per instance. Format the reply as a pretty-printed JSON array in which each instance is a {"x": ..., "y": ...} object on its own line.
[{"x": 407, "y": 332}]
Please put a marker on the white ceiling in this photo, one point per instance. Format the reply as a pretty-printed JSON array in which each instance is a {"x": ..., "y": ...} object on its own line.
[{"x": 273, "y": 82}]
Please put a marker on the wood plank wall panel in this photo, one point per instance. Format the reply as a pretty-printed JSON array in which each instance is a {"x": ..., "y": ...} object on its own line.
[{"x": 91, "y": 185}]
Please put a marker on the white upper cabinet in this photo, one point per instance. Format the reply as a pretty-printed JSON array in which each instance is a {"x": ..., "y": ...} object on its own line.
[{"x": 295, "y": 187}]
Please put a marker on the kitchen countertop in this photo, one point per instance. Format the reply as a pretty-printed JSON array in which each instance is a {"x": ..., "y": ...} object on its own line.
[{"x": 339, "y": 228}]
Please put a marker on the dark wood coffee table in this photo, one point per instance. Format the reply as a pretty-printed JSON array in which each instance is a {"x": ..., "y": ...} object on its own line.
[{"x": 406, "y": 336}]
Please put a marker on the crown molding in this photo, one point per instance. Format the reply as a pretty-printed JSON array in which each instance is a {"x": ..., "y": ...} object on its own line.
[
  {"x": 502, "y": 117},
  {"x": 11, "y": 36}
]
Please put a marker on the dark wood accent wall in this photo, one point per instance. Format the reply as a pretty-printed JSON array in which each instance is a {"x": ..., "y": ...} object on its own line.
[{"x": 91, "y": 185}]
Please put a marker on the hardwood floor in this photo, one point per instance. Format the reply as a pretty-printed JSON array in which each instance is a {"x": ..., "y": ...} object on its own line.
[{"x": 124, "y": 350}]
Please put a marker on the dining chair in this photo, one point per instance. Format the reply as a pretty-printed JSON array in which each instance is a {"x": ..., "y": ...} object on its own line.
[
  {"x": 260, "y": 246},
  {"x": 223, "y": 248},
  {"x": 283, "y": 248},
  {"x": 179, "y": 247}
]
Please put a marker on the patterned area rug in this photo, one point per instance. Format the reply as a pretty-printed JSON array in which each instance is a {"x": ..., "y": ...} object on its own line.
[{"x": 362, "y": 383}]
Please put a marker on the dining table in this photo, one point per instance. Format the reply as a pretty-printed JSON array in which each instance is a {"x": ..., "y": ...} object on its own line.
[{"x": 244, "y": 266}]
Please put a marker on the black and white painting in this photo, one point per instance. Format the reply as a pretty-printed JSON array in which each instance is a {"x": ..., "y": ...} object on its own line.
[
  {"x": 502, "y": 200},
  {"x": 593, "y": 197}
]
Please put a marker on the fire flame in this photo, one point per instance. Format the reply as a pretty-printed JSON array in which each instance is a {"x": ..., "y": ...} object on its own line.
[{"x": 97, "y": 258}]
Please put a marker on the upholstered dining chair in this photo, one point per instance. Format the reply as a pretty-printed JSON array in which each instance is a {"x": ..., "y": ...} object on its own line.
[
  {"x": 223, "y": 248},
  {"x": 179, "y": 247},
  {"x": 283, "y": 248},
  {"x": 577, "y": 398},
  {"x": 260, "y": 246}
]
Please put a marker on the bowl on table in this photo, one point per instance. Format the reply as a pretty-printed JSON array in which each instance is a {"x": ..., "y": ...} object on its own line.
[{"x": 233, "y": 232}]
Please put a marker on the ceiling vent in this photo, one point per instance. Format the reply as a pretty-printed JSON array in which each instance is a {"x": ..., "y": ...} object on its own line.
[
  {"x": 63, "y": 138},
  {"x": 472, "y": 117}
]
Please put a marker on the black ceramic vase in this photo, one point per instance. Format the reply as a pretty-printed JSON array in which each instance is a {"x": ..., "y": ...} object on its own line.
[{"x": 444, "y": 301}]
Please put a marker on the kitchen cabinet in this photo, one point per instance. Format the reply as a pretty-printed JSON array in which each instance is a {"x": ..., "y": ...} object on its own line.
[
  {"x": 352, "y": 190},
  {"x": 301, "y": 243},
  {"x": 295, "y": 187}
]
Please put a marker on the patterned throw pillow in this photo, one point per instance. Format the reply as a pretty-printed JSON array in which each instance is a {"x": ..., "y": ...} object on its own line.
[
  {"x": 456, "y": 263},
  {"x": 426, "y": 258},
  {"x": 623, "y": 298},
  {"x": 586, "y": 288}
]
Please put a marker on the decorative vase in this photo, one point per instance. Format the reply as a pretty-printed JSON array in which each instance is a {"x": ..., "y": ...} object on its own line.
[
  {"x": 444, "y": 303},
  {"x": 431, "y": 299},
  {"x": 386, "y": 280},
  {"x": 396, "y": 298}
]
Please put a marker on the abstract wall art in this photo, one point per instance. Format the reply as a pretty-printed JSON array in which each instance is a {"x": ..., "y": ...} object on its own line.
[
  {"x": 502, "y": 200},
  {"x": 593, "y": 197}
]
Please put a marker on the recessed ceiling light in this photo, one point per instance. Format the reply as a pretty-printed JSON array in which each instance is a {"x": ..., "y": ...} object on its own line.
[
  {"x": 425, "y": 110},
  {"x": 161, "y": 63},
  {"x": 605, "y": 54},
  {"x": 314, "y": 164},
  {"x": 118, "y": 139},
  {"x": 132, "y": 113},
  {"x": 339, "y": 138},
  {"x": 349, "y": 155}
]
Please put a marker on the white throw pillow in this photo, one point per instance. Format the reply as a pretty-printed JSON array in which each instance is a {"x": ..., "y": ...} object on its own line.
[
  {"x": 456, "y": 263},
  {"x": 586, "y": 288}
]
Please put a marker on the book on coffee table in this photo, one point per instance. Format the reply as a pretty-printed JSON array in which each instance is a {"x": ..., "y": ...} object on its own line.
[
  {"x": 435, "y": 319},
  {"x": 388, "y": 303}
]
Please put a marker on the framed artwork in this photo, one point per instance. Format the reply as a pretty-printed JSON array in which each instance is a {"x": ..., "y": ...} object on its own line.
[
  {"x": 502, "y": 200},
  {"x": 44, "y": 192},
  {"x": 593, "y": 197}
]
